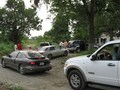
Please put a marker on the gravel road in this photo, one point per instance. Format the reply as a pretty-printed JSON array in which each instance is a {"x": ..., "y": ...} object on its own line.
[{"x": 50, "y": 80}]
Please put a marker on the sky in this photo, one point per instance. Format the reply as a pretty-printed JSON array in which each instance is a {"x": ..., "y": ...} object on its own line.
[{"x": 42, "y": 14}]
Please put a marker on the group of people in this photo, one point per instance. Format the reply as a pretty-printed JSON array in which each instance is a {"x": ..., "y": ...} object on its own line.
[
  {"x": 18, "y": 46},
  {"x": 63, "y": 44}
]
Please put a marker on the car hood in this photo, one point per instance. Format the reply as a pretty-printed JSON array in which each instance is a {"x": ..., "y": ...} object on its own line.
[{"x": 79, "y": 58}]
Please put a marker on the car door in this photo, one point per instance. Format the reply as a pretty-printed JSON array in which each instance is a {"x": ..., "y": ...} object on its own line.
[
  {"x": 103, "y": 70},
  {"x": 12, "y": 59},
  {"x": 53, "y": 51},
  {"x": 59, "y": 51}
]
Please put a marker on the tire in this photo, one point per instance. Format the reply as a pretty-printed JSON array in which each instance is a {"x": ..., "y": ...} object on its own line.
[
  {"x": 65, "y": 53},
  {"x": 3, "y": 64},
  {"x": 21, "y": 70},
  {"x": 78, "y": 50},
  {"x": 50, "y": 56},
  {"x": 76, "y": 80}
]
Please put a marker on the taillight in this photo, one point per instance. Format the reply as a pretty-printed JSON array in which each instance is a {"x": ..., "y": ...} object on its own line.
[
  {"x": 32, "y": 63},
  {"x": 72, "y": 45},
  {"x": 39, "y": 57}
]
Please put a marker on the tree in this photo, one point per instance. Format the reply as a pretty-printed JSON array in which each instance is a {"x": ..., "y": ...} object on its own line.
[
  {"x": 89, "y": 8},
  {"x": 18, "y": 21}
]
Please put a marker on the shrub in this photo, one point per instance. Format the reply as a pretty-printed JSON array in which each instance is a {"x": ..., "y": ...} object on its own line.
[{"x": 6, "y": 48}]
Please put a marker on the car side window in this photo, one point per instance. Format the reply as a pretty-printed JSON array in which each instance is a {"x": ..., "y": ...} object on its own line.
[
  {"x": 108, "y": 53},
  {"x": 52, "y": 48},
  {"x": 20, "y": 55},
  {"x": 14, "y": 54}
]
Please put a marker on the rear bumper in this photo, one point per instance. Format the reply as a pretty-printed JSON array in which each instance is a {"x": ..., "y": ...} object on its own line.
[{"x": 29, "y": 69}]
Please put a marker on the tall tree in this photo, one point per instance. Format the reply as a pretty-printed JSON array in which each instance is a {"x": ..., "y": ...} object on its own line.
[
  {"x": 18, "y": 21},
  {"x": 88, "y": 8}
]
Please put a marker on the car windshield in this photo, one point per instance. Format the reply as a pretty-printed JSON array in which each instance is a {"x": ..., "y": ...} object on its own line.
[
  {"x": 70, "y": 42},
  {"x": 32, "y": 54}
]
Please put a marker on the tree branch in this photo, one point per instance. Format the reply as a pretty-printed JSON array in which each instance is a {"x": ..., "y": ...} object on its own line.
[{"x": 86, "y": 7}]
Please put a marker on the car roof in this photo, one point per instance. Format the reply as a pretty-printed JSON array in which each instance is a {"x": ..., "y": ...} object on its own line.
[
  {"x": 112, "y": 42},
  {"x": 25, "y": 51},
  {"x": 48, "y": 46}
]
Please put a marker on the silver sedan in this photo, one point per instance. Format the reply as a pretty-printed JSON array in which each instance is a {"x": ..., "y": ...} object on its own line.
[{"x": 53, "y": 51}]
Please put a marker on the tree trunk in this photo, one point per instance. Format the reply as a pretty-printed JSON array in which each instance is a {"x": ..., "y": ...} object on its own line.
[{"x": 91, "y": 26}]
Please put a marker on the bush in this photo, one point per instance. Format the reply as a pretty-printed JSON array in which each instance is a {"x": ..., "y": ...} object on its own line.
[{"x": 6, "y": 48}]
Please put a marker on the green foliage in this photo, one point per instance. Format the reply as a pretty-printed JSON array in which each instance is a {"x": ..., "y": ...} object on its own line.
[
  {"x": 17, "y": 21},
  {"x": 6, "y": 48},
  {"x": 17, "y": 88},
  {"x": 88, "y": 52},
  {"x": 89, "y": 18}
]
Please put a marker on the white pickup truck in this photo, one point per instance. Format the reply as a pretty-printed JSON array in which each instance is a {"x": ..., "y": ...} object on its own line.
[{"x": 100, "y": 69}]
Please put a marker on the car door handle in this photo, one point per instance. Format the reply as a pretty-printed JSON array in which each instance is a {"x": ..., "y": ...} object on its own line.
[{"x": 111, "y": 64}]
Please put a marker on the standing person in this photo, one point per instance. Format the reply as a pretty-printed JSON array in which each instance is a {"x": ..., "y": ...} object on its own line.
[
  {"x": 65, "y": 44},
  {"x": 61, "y": 44},
  {"x": 15, "y": 47},
  {"x": 19, "y": 46},
  {"x": 30, "y": 48}
]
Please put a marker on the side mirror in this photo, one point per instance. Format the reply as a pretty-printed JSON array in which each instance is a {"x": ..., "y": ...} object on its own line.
[{"x": 93, "y": 58}]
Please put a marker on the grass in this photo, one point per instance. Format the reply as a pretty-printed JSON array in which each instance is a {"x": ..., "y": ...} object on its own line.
[
  {"x": 17, "y": 88},
  {"x": 87, "y": 52}
]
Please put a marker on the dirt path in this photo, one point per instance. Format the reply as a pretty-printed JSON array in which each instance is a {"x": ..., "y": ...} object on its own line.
[{"x": 51, "y": 80}]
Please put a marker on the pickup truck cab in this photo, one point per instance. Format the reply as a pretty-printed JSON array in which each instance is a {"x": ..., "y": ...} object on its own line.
[
  {"x": 99, "y": 70},
  {"x": 42, "y": 44}
]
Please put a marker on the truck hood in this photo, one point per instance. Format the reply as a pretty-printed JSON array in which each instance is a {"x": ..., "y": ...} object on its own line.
[{"x": 79, "y": 58}]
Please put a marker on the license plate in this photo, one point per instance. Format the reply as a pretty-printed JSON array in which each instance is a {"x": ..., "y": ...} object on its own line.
[{"x": 42, "y": 63}]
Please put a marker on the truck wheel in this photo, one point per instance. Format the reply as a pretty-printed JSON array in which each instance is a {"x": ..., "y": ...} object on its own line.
[
  {"x": 78, "y": 50},
  {"x": 76, "y": 80},
  {"x": 65, "y": 53}
]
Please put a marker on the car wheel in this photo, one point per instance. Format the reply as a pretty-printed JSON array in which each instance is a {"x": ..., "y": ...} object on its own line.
[
  {"x": 3, "y": 64},
  {"x": 65, "y": 53},
  {"x": 78, "y": 50},
  {"x": 50, "y": 56},
  {"x": 76, "y": 80},
  {"x": 21, "y": 70}
]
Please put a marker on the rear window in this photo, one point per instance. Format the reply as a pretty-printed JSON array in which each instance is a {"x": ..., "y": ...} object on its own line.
[
  {"x": 33, "y": 54},
  {"x": 70, "y": 42},
  {"x": 43, "y": 49}
]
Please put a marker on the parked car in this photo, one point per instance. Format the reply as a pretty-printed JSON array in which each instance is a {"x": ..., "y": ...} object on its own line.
[
  {"x": 76, "y": 46},
  {"x": 26, "y": 61},
  {"x": 100, "y": 70},
  {"x": 53, "y": 51},
  {"x": 42, "y": 44}
]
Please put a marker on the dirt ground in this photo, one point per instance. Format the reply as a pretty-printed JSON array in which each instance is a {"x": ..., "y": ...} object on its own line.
[{"x": 50, "y": 80}]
